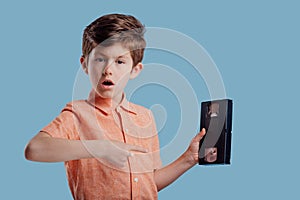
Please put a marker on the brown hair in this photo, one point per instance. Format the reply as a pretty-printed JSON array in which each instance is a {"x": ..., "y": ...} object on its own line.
[{"x": 114, "y": 28}]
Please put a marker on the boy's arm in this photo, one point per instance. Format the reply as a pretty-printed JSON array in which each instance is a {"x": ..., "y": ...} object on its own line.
[
  {"x": 166, "y": 175},
  {"x": 45, "y": 148}
]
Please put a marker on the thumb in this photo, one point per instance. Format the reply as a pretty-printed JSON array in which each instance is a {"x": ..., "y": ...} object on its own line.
[{"x": 200, "y": 135}]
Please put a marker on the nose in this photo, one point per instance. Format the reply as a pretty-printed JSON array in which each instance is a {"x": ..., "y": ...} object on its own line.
[{"x": 107, "y": 69}]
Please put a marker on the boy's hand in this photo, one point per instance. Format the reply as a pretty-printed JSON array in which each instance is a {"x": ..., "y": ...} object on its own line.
[
  {"x": 114, "y": 152},
  {"x": 168, "y": 174},
  {"x": 193, "y": 150}
]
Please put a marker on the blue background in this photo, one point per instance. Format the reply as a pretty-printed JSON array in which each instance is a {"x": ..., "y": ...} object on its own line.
[{"x": 255, "y": 45}]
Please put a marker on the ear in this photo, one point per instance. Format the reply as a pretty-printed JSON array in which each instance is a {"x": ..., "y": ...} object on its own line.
[
  {"x": 83, "y": 62},
  {"x": 136, "y": 70}
]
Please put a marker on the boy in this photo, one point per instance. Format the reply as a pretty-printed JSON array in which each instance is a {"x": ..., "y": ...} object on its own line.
[{"x": 110, "y": 146}]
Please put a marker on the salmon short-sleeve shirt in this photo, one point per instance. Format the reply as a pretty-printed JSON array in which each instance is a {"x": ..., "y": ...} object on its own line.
[{"x": 93, "y": 178}]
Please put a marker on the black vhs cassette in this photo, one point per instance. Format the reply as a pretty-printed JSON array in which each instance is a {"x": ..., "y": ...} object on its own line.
[{"x": 216, "y": 118}]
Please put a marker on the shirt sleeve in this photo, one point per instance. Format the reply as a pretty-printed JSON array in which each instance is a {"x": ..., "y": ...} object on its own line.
[{"x": 64, "y": 125}]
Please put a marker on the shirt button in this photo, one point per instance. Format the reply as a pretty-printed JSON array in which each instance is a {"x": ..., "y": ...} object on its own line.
[
  {"x": 136, "y": 180},
  {"x": 126, "y": 130}
]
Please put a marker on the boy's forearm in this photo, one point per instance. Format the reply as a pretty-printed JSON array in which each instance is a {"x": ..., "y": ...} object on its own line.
[
  {"x": 166, "y": 175},
  {"x": 44, "y": 148}
]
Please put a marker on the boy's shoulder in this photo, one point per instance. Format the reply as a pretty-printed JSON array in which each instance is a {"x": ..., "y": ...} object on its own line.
[
  {"x": 77, "y": 107},
  {"x": 140, "y": 109},
  {"x": 141, "y": 114}
]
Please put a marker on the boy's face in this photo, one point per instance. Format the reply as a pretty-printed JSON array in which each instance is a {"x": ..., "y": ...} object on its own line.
[{"x": 109, "y": 69}]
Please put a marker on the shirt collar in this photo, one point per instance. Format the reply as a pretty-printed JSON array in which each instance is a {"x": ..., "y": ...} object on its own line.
[{"x": 105, "y": 105}]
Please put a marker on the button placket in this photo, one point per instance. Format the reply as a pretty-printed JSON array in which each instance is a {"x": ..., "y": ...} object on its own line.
[
  {"x": 123, "y": 118},
  {"x": 120, "y": 115},
  {"x": 136, "y": 187}
]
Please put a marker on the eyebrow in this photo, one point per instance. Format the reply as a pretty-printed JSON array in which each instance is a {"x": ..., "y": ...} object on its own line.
[{"x": 100, "y": 54}]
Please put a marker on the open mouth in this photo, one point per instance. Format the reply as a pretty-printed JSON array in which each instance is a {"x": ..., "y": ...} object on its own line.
[{"x": 107, "y": 83}]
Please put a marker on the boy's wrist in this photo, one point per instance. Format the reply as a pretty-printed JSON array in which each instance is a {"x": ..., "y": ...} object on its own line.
[{"x": 189, "y": 159}]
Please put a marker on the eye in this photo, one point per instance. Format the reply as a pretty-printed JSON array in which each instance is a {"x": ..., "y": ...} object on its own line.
[
  {"x": 120, "y": 62},
  {"x": 100, "y": 60}
]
